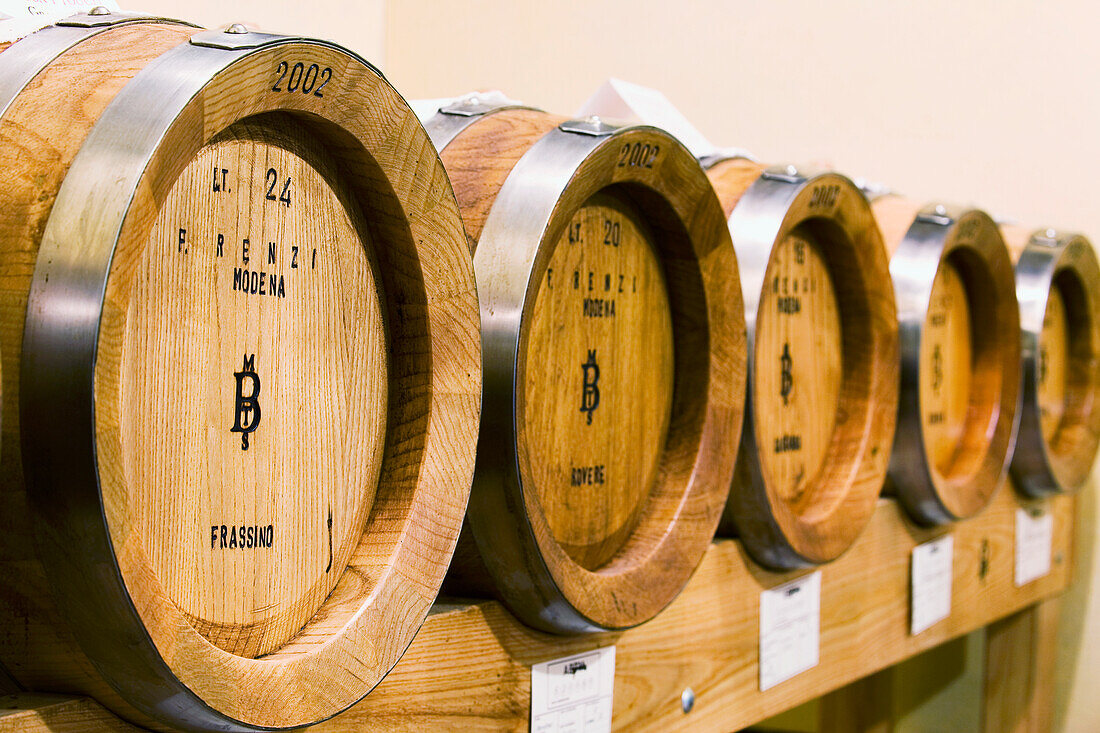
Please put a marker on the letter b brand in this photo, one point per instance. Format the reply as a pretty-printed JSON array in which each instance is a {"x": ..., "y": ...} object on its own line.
[{"x": 247, "y": 412}]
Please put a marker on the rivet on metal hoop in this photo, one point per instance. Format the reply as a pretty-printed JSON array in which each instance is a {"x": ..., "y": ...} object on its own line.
[
  {"x": 237, "y": 29},
  {"x": 99, "y": 10},
  {"x": 687, "y": 699}
]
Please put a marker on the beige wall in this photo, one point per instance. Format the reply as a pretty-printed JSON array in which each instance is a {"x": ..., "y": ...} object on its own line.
[
  {"x": 357, "y": 24},
  {"x": 995, "y": 103}
]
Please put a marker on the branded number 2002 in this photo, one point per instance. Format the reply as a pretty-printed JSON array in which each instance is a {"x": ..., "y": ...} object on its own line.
[{"x": 301, "y": 78}]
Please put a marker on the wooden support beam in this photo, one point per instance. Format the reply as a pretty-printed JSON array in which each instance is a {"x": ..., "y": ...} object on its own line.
[
  {"x": 1019, "y": 670},
  {"x": 469, "y": 667}
]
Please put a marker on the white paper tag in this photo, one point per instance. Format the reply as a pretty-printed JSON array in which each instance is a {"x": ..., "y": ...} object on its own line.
[
  {"x": 930, "y": 575},
  {"x": 634, "y": 103},
  {"x": 1034, "y": 539},
  {"x": 622, "y": 100},
  {"x": 19, "y": 19},
  {"x": 790, "y": 629},
  {"x": 573, "y": 694}
]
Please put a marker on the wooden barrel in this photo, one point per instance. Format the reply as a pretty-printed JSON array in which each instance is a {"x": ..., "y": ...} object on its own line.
[
  {"x": 823, "y": 390},
  {"x": 613, "y": 341},
  {"x": 1058, "y": 287},
  {"x": 960, "y": 357},
  {"x": 239, "y": 312}
]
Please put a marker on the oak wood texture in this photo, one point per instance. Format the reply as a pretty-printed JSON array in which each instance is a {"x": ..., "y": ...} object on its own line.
[
  {"x": 823, "y": 365},
  {"x": 865, "y": 706},
  {"x": 601, "y": 478},
  {"x": 469, "y": 667},
  {"x": 1064, "y": 385},
  {"x": 960, "y": 356},
  {"x": 628, "y": 325},
  {"x": 313, "y": 469},
  {"x": 42, "y": 131},
  {"x": 286, "y": 389},
  {"x": 45, "y": 713},
  {"x": 1018, "y": 682}
]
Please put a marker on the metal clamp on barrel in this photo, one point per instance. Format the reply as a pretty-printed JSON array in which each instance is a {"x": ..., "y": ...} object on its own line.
[
  {"x": 27, "y": 57},
  {"x": 721, "y": 154},
  {"x": 873, "y": 189},
  {"x": 104, "y": 214},
  {"x": 453, "y": 118},
  {"x": 1063, "y": 265},
  {"x": 950, "y": 254},
  {"x": 806, "y": 234},
  {"x": 756, "y": 223},
  {"x": 570, "y": 165}
]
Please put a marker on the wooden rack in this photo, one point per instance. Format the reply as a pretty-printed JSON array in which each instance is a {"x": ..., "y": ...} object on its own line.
[{"x": 469, "y": 667}]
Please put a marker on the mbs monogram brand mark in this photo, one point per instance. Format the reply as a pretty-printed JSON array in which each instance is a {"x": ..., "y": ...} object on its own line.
[
  {"x": 786, "y": 379},
  {"x": 590, "y": 397},
  {"x": 247, "y": 412},
  {"x": 937, "y": 368}
]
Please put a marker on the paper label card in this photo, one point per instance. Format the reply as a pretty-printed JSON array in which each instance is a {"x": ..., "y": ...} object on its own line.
[
  {"x": 622, "y": 100},
  {"x": 790, "y": 629},
  {"x": 1034, "y": 540},
  {"x": 930, "y": 577},
  {"x": 573, "y": 694}
]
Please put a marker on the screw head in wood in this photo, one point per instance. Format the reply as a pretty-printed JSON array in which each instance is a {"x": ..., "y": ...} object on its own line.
[{"x": 687, "y": 699}]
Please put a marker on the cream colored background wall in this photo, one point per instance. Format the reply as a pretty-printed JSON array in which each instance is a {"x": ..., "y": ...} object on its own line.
[{"x": 995, "y": 103}]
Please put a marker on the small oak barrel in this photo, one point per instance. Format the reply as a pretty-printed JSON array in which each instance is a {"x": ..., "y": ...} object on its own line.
[
  {"x": 614, "y": 347},
  {"x": 960, "y": 357},
  {"x": 1058, "y": 286},
  {"x": 240, "y": 315},
  {"x": 822, "y": 386}
]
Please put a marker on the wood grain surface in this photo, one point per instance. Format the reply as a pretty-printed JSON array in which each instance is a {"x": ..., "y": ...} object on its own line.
[
  {"x": 824, "y": 368},
  {"x": 1067, "y": 375},
  {"x": 287, "y": 382},
  {"x": 945, "y": 372},
  {"x": 958, "y": 308},
  {"x": 605, "y": 289},
  {"x": 41, "y": 132},
  {"x": 480, "y": 159},
  {"x": 469, "y": 668},
  {"x": 627, "y": 367},
  {"x": 1018, "y": 680},
  {"x": 45, "y": 713},
  {"x": 1054, "y": 356},
  {"x": 250, "y": 535},
  {"x": 799, "y": 368}
]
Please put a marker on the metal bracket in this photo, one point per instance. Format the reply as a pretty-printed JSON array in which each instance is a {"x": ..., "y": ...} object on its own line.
[
  {"x": 1047, "y": 238},
  {"x": 937, "y": 214},
  {"x": 786, "y": 174},
  {"x": 235, "y": 38},
  {"x": 94, "y": 18},
  {"x": 475, "y": 105},
  {"x": 592, "y": 126},
  {"x": 722, "y": 154},
  {"x": 873, "y": 189}
]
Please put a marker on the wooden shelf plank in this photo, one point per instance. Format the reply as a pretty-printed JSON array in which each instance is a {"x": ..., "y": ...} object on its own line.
[
  {"x": 469, "y": 667},
  {"x": 33, "y": 713}
]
